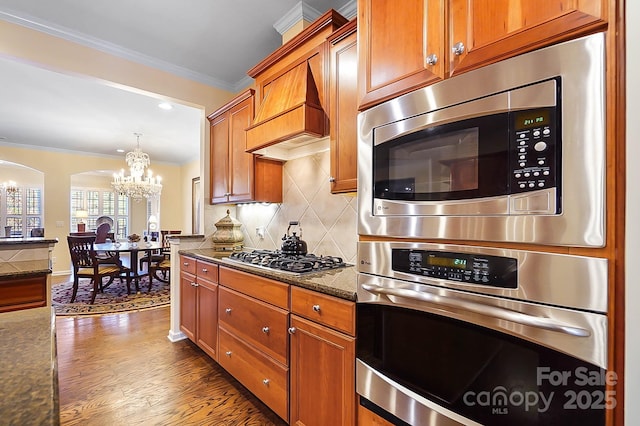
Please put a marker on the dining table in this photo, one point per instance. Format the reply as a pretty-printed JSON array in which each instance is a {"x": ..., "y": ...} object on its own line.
[{"x": 133, "y": 248}]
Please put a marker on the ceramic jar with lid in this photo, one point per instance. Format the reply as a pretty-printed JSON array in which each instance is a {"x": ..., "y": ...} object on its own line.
[{"x": 228, "y": 237}]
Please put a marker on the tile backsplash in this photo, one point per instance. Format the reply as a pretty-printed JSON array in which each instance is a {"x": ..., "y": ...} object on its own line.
[{"x": 328, "y": 221}]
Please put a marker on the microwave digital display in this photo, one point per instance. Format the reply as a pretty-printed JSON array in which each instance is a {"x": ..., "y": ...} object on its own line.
[{"x": 532, "y": 118}]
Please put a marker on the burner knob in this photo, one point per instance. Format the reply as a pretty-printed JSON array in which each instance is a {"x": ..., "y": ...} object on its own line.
[
  {"x": 292, "y": 330},
  {"x": 316, "y": 308},
  {"x": 265, "y": 330}
]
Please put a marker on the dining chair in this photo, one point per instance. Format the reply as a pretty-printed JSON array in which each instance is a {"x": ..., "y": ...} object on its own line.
[
  {"x": 102, "y": 233},
  {"x": 87, "y": 264},
  {"x": 164, "y": 264},
  {"x": 159, "y": 255}
]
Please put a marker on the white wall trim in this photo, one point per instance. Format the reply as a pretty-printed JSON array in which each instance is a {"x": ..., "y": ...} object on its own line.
[{"x": 113, "y": 49}]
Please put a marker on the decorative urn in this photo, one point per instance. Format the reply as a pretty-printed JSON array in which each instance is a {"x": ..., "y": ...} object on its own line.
[{"x": 228, "y": 237}]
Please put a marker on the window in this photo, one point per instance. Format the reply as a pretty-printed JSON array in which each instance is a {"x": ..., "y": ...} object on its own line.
[
  {"x": 97, "y": 203},
  {"x": 21, "y": 209}
]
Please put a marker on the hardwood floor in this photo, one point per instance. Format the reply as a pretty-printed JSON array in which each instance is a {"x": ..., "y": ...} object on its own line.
[{"x": 120, "y": 369}]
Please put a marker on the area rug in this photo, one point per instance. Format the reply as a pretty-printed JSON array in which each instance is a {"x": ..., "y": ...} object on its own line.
[{"x": 112, "y": 299}]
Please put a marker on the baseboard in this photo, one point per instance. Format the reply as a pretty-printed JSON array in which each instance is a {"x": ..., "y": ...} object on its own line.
[{"x": 176, "y": 337}]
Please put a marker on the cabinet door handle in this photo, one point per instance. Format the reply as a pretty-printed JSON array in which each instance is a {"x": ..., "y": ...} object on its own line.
[
  {"x": 228, "y": 311},
  {"x": 292, "y": 330},
  {"x": 265, "y": 382},
  {"x": 185, "y": 263},
  {"x": 228, "y": 353},
  {"x": 332, "y": 179},
  {"x": 316, "y": 308},
  {"x": 265, "y": 330},
  {"x": 458, "y": 48},
  {"x": 432, "y": 59},
  {"x": 194, "y": 285},
  {"x": 204, "y": 270}
]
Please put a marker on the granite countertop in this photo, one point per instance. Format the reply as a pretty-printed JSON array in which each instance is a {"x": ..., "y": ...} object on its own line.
[
  {"x": 10, "y": 241},
  {"x": 28, "y": 371},
  {"x": 337, "y": 282},
  {"x": 23, "y": 268}
]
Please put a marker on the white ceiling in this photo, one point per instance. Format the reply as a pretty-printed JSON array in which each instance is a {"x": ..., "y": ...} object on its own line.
[{"x": 211, "y": 41}]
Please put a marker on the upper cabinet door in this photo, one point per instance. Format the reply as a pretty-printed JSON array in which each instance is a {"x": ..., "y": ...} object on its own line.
[
  {"x": 219, "y": 147},
  {"x": 240, "y": 162},
  {"x": 407, "y": 45},
  {"x": 486, "y": 31},
  {"x": 400, "y": 47}
]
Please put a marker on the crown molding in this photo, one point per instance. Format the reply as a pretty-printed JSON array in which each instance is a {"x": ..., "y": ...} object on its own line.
[
  {"x": 112, "y": 49},
  {"x": 301, "y": 11}
]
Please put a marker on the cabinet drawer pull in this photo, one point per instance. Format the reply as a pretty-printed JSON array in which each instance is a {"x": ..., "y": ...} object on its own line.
[
  {"x": 265, "y": 382},
  {"x": 194, "y": 285},
  {"x": 265, "y": 330},
  {"x": 228, "y": 311},
  {"x": 432, "y": 59},
  {"x": 204, "y": 270},
  {"x": 228, "y": 353},
  {"x": 185, "y": 263},
  {"x": 458, "y": 48},
  {"x": 316, "y": 308},
  {"x": 292, "y": 330}
]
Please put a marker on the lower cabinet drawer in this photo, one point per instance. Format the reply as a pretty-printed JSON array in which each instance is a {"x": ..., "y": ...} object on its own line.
[{"x": 264, "y": 377}]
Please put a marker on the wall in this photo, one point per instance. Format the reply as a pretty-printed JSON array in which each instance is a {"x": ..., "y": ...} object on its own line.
[
  {"x": 57, "y": 169},
  {"x": 632, "y": 320},
  {"x": 328, "y": 221}
]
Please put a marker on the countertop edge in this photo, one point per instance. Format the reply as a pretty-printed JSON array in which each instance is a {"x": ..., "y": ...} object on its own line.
[{"x": 303, "y": 281}]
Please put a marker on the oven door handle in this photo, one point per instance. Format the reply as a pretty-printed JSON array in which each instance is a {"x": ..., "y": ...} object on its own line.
[{"x": 487, "y": 310}]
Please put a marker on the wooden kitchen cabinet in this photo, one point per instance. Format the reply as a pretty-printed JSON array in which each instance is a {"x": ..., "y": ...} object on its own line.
[
  {"x": 253, "y": 323},
  {"x": 405, "y": 48},
  {"x": 23, "y": 293},
  {"x": 235, "y": 175},
  {"x": 322, "y": 369},
  {"x": 199, "y": 303},
  {"x": 343, "y": 111}
]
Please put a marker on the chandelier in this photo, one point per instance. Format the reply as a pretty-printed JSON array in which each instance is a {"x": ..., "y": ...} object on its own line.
[
  {"x": 10, "y": 187},
  {"x": 137, "y": 185}
]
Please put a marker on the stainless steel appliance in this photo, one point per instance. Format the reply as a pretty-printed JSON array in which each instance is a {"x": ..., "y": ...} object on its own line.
[
  {"x": 514, "y": 151},
  {"x": 288, "y": 263},
  {"x": 451, "y": 334}
]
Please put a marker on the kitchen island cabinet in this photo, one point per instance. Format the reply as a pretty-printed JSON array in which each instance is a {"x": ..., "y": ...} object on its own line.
[
  {"x": 322, "y": 359},
  {"x": 405, "y": 48},
  {"x": 23, "y": 292},
  {"x": 235, "y": 175},
  {"x": 199, "y": 303}
]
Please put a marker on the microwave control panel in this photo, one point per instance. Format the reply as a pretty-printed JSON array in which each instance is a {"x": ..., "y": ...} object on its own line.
[
  {"x": 534, "y": 150},
  {"x": 477, "y": 269}
]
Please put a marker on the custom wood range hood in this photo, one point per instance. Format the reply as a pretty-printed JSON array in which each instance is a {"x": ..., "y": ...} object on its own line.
[{"x": 292, "y": 90}]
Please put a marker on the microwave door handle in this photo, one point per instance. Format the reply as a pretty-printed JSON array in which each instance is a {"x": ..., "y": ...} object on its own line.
[{"x": 487, "y": 310}]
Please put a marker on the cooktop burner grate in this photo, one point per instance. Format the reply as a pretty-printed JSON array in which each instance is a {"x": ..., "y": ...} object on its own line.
[{"x": 298, "y": 264}]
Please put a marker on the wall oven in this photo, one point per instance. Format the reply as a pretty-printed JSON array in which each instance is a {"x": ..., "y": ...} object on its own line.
[
  {"x": 451, "y": 334},
  {"x": 514, "y": 151}
]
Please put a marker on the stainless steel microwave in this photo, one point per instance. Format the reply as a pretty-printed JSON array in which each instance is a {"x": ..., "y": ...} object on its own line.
[{"x": 514, "y": 151}]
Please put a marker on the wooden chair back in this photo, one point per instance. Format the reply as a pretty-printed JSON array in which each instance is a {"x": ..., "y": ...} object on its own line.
[
  {"x": 102, "y": 233},
  {"x": 81, "y": 251}
]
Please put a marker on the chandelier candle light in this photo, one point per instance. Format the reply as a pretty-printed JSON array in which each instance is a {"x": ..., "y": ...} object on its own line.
[
  {"x": 10, "y": 187},
  {"x": 137, "y": 185}
]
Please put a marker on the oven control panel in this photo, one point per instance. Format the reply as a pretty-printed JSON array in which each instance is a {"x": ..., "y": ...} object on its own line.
[{"x": 477, "y": 269}]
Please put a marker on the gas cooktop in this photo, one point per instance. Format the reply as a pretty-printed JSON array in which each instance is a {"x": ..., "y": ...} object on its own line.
[{"x": 290, "y": 263}]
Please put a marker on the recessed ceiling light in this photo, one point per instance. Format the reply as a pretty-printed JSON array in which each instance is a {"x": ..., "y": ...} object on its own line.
[
  {"x": 165, "y": 105},
  {"x": 120, "y": 150}
]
